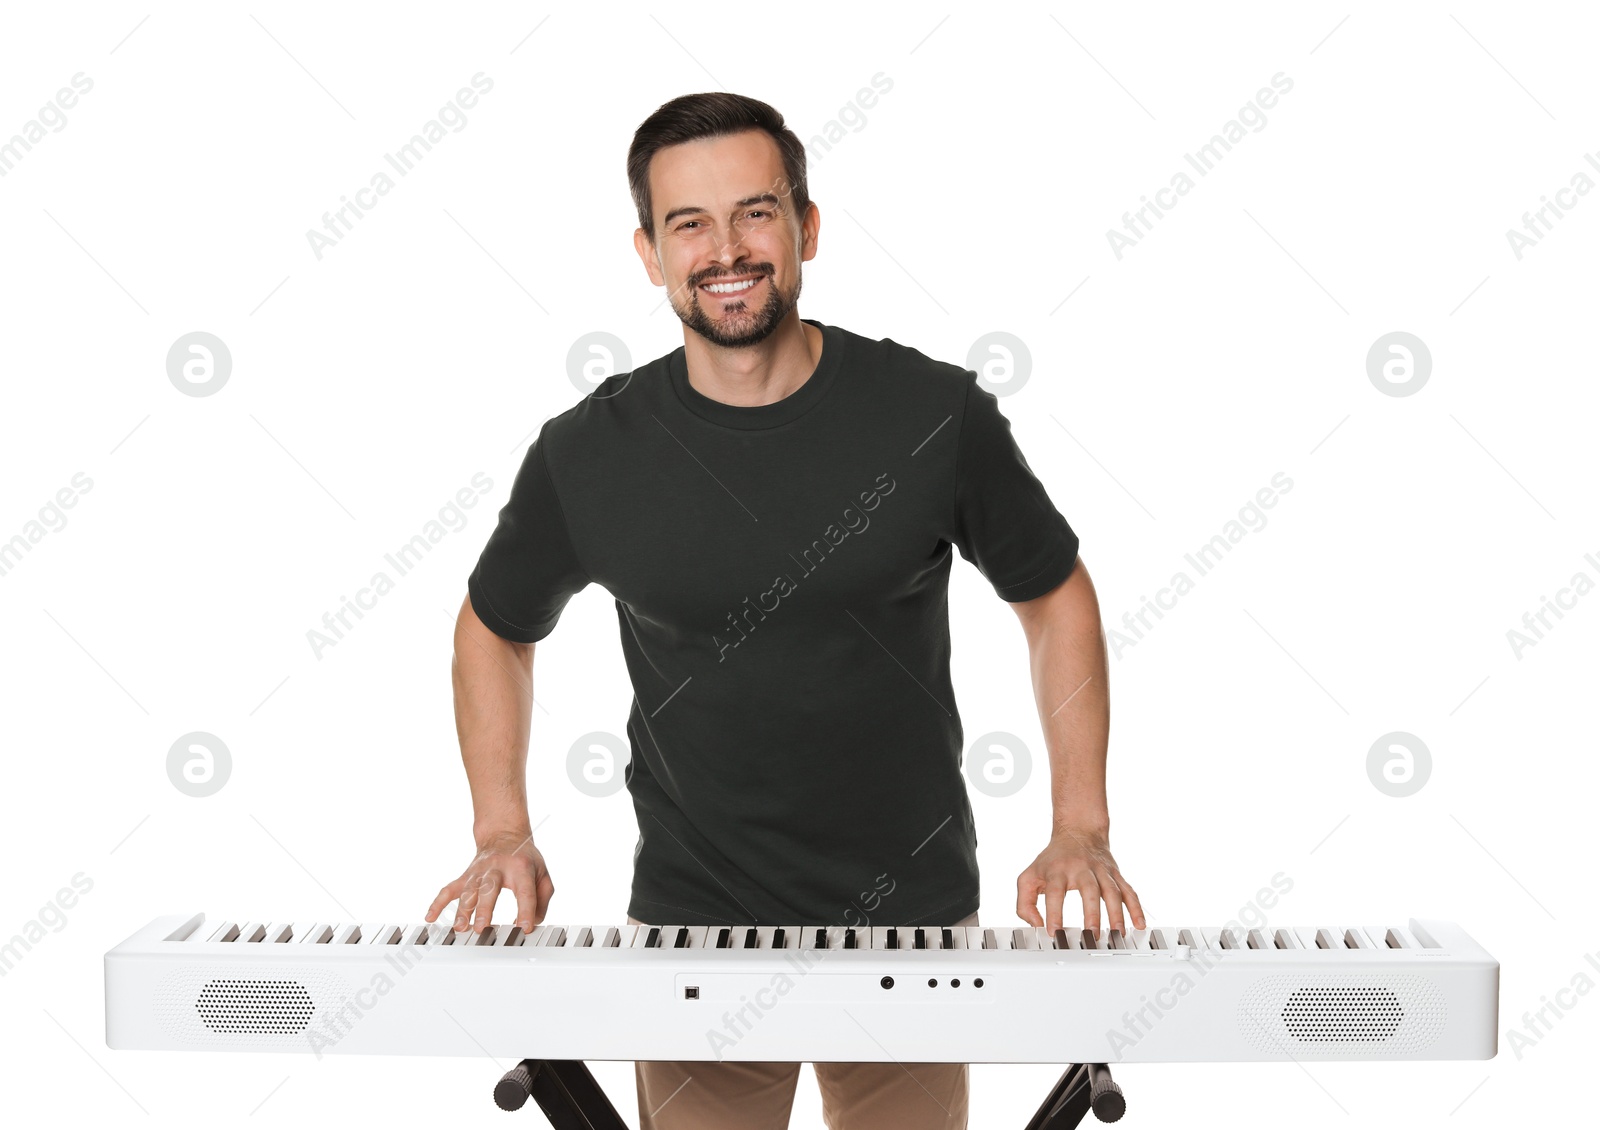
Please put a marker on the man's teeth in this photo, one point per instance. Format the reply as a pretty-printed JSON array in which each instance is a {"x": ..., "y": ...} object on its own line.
[{"x": 731, "y": 288}]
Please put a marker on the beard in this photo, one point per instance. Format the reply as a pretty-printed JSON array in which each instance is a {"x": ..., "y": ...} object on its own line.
[{"x": 740, "y": 324}]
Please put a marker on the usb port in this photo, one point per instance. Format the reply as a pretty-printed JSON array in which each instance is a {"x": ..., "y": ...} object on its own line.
[{"x": 691, "y": 992}]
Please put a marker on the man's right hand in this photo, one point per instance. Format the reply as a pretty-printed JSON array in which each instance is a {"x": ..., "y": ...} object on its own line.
[{"x": 504, "y": 859}]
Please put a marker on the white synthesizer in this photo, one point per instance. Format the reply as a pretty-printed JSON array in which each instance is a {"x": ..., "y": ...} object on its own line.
[{"x": 807, "y": 993}]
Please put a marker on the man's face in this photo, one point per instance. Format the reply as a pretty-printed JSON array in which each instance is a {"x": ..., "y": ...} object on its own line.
[{"x": 724, "y": 218}]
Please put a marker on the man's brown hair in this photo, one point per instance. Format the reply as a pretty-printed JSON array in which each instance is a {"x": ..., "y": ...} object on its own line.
[{"x": 694, "y": 116}]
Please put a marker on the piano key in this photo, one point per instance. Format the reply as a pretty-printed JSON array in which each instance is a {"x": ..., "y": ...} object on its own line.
[
  {"x": 973, "y": 935},
  {"x": 252, "y": 932},
  {"x": 1328, "y": 939},
  {"x": 1193, "y": 937},
  {"x": 415, "y": 935},
  {"x": 509, "y": 936},
  {"x": 1160, "y": 939},
  {"x": 347, "y": 935},
  {"x": 278, "y": 933},
  {"x": 579, "y": 937},
  {"x": 885, "y": 938},
  {"x": 1139, "y": 940},
  {"x": 919, "y": 938},
  {"x": 225, "y": 932},
  {"x": 318, "y": 934},
  {"x": 1116, "y": 941},
  {"x": 648, "y": 937},
  {"x": 1396, "y": 939},
  {"x": 781, "y": 938},
  {"x": 385, "y": 936},
  {"x": 947, "y": 938},
  {"x": 612, "y": 938},
  {"x": 851, "y": 941},
  {"x": 990, "y": 942},
  {"x": 483, "y": 937},
  {"x": 1257, "y": 939},
  {"x": 1356, "y": 938},
  {"x": 1226, "y": 939},
  {"x": 1286, "y": 939},
  {"x": 1058, "y": 938},
  {"x": 552, "y": 938}
]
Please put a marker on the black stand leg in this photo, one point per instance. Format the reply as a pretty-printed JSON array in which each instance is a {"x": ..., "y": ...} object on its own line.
[
  {"x": 1082, "y": 1087},
  {"x": 564, "y": 1090}
]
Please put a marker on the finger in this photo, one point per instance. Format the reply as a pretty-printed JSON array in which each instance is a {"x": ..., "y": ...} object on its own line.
[
  {"x": 1028, "y": 887},
  {"x": 545, "y": 889},
  {"x": 488, "y": 894},
  {"x": 1090, "y": 890},
  {"x": 1112, "y": 894},
  {"x": 447, "y": 895},
  {"x": 1131, "y": 897},
  {"x": 469, "y": 899},
  {"x": 523, "y": 887},
  {"x": 1055, "y": 893}
]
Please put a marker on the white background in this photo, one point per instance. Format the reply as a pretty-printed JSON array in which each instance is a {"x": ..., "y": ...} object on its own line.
[{"x": 369, "y": 386}]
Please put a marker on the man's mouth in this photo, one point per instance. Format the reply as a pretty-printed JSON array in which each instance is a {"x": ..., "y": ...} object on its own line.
[{"x": 730, "y": 287}]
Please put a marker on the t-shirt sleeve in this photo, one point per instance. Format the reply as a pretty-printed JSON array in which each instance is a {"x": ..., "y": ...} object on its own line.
[
  {"x": 1005, "y": 523},
  {"x": 529, "y": 568}
]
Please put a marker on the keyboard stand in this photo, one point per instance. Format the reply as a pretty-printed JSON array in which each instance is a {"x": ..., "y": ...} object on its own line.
[
  {"x": 564, "y": 1090},
  {"x": 1082, "y": 1087},
  {"x": 572, "y": 1100}
]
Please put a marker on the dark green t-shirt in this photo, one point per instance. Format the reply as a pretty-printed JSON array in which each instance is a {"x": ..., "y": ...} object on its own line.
[{"x": 780, "y": 575}]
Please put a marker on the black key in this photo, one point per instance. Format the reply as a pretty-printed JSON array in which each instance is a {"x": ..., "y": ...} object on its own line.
[
  {"x": 723, "y": 939},
  {"x": 777, "y": 938},
  {"x": 652, "y": 940},
  {"x": 891, "y": 939},
  {"x": 946, "y": 939},
  {"x": 683, "y": 938},
  {"x": 751, "y": 938},
  {"x": 850, "y": 938},
  {"x": 919, "y": 940},
  {"x": 1061, "y": 939},
  {"x": 822, "y": 937}
]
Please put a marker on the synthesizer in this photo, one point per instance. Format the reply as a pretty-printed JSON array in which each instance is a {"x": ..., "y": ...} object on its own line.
[{"x": 1424, "y": 991}]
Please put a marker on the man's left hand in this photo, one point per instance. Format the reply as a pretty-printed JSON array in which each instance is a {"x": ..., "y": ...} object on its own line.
[{"x": 1076, "y": 860}]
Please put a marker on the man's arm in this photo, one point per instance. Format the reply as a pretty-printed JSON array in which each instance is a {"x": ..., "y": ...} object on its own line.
[
  {"x": 1067, "y": 656},
  {"x": 492, "y": 678}
]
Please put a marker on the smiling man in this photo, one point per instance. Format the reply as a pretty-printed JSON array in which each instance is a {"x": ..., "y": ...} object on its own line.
[{"x": 775, "y": 507}]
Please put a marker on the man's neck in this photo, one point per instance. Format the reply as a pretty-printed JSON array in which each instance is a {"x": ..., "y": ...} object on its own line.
[{"x": 753, "y": 375}]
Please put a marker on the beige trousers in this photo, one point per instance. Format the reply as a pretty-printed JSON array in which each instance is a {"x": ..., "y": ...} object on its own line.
[{"x": 706, "y": 1095}]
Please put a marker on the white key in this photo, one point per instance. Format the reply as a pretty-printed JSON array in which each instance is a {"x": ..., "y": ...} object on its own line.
[
  {"x": 317, "y": 934},
  {"x": 1285, "y": 938},
  {"x": 278, "y": 932},
  {"x": 252, "y": 932},
  {"x": 578, "y": 938},
  {"x": 1357, "y": 939},
  {"x": 347, "y": 935},
  {"x": 1329, "y": 939},
  {"x": 225, "y": 932},
  {"x": 385, "y": 935},
  {"x": 974, "y": 936}
]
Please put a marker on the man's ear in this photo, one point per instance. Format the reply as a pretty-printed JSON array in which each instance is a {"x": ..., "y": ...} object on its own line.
[{"x": 648, "y": 256}]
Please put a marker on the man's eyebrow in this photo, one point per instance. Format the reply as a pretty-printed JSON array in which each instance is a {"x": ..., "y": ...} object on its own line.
[{"x": 694, "y": 209}]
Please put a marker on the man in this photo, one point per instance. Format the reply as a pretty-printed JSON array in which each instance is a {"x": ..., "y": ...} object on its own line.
[{"x": 774, "y": 506}]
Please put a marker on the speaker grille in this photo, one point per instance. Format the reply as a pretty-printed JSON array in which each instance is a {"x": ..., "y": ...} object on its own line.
[
  {"x": 1341, "y": 1016},
  {"x": 274, "y": 1007},
  {"x": 255, "y": 1006}
]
